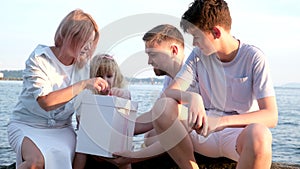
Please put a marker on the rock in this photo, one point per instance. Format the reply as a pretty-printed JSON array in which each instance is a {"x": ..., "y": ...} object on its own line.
[
  {"x": 284, "y": 166},
  {"x": 165, "y": 162}
]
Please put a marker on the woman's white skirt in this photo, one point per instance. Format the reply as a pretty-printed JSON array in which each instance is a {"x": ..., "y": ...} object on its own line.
[{"x": 56, "y": 144}]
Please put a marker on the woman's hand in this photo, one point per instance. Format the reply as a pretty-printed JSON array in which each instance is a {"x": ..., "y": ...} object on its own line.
[{"x": 96, "y": 84}]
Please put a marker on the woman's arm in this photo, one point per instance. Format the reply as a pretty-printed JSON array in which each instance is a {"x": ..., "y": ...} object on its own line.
[{"x": 57, "y": 98}]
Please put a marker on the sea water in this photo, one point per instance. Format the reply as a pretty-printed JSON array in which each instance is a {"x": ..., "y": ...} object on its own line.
[{"x": 286, "y": 136}]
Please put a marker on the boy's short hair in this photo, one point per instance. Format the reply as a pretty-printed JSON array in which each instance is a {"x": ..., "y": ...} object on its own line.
[
  {"x": 163, "y": 32},
  {"x": 205, "y": 14}
]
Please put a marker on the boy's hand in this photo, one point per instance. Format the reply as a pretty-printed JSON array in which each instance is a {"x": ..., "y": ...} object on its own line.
[{"x": 197, "y": 115}]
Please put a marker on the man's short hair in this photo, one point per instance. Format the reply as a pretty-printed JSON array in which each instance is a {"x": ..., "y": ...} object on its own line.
[{"x": 163, "y": 32}]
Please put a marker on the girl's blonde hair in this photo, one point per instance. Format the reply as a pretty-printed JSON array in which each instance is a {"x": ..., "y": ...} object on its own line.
[
  {"x": 75, "y": 30},
  {"x": 102, "y": 64}
]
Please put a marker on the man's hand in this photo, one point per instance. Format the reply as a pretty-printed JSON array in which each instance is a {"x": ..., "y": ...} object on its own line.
[{"x": 119, "y": 161}]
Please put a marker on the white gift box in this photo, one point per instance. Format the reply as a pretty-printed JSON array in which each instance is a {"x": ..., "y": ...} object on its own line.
[{"x": 106, "y": 124}]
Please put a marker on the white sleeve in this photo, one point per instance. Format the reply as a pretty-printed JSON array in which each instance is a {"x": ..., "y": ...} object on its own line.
[{"x": 188, "y": 71}]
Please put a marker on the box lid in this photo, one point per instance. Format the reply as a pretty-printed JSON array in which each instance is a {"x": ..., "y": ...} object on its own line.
[{"x": 89, "y": 98}]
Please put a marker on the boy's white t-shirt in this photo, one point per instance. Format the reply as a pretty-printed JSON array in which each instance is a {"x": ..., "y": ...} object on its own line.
[{"x": 232, "y": 86}]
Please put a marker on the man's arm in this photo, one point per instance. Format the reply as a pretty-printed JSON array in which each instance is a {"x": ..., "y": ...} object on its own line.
[
  {"x": 128, "y": 157},
  {"x": 143, "y": 123}
]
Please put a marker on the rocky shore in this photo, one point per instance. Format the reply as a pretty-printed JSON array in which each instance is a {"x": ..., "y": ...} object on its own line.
[{"x": 165, "y": 162}]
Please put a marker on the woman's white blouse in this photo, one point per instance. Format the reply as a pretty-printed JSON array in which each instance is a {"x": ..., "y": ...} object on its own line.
[{"x": 43, "y": 74}]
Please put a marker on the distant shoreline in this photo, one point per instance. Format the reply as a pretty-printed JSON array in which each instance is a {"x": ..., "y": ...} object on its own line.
[
  {"x": 149, "y": 80},
  {"x": 135, "y": 81},
  {"x": 11, "y": 79}
]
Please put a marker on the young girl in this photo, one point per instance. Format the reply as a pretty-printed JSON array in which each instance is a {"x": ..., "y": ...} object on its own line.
[{"x": 104, "y": 66}]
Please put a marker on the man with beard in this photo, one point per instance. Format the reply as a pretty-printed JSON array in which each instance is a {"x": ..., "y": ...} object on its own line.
[{"x": 164, "y": 45}]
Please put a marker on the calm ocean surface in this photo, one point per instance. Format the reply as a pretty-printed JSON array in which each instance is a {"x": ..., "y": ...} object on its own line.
[{"x": 286, "y": 136}]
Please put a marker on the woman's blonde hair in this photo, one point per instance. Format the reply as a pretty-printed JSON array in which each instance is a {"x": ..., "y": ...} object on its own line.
[
  {"x": 102, "y": 64},
  {"x": 75, "y": 30}
]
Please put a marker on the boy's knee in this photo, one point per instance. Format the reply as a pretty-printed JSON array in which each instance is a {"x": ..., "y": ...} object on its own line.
[
  {"x": 260, "y": 133},
  {"x": 261, "y": 137}
]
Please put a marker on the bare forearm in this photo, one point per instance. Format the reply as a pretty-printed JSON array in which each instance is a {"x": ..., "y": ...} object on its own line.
[
  {"x": 181, "y": 97},
  {"x": 262, "y": 116},
  {"x": 142, "y": 127},
  {"x": 150, "y": 151},
  {"x": 267, "y": 115},
  {"x": 57, "y": 98},
  {"x": 143, "y": 123}
]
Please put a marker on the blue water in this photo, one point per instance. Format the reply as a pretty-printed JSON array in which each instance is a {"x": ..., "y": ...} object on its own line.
[{"x": 286, "y": 136}]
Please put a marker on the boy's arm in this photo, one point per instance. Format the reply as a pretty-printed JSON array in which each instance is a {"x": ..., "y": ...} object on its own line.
[
  {"x": 267, "y": 115},
  {"x": 177, "y": 90},
  {"x": 197, "y": 118}
]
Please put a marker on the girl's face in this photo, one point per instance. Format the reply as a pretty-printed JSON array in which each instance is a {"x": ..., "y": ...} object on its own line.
[{"x": 110, "y": 78}]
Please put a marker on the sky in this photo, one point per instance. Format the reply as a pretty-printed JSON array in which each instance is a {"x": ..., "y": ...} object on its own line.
[{"x": 271, "y": 25}]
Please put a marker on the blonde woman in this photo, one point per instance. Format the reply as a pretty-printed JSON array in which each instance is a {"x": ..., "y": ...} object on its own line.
[{"x": 40, "y": 128}]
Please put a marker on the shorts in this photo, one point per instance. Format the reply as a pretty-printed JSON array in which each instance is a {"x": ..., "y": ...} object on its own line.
[{"x": 218, "y": 144}]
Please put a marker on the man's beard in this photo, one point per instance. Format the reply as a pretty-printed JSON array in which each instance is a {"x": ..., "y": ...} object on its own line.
[{"x": 159, "y": 72}]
